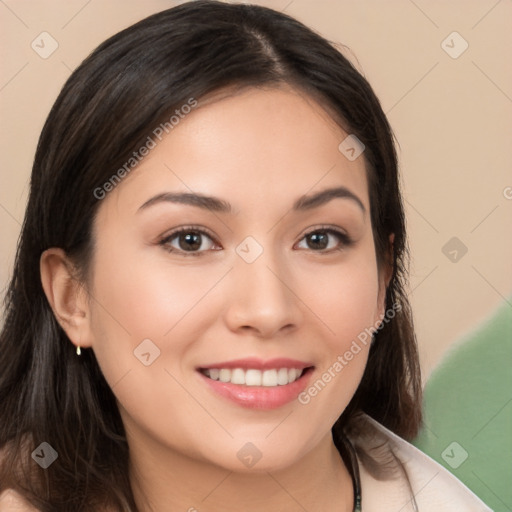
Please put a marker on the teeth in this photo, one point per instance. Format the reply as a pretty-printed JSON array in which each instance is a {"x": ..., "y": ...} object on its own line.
[
  {"x": 238, "y": 376},
  {"x": 282, "y": 376},
  {"x": 253, "y": 377},
  {"x": 269, "y": 378},
  {"x": 224, "y": 375}
]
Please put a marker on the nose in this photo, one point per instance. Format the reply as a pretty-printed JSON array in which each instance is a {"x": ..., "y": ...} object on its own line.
[{"x": 261, "y": 299}]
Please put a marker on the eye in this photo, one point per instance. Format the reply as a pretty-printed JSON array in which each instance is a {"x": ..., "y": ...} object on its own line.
[
  {"x": 320, "y": 240},
  {"x": 193, "y": 241},
  {"x": 189, "y": 241}
]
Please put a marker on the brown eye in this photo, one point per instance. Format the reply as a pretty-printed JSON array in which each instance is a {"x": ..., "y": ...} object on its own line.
[
  {"x": 324, "y": 240},
  {"x": 190, "y": 241},
  {"x": 318, "y": 240},
  {"x": 187, "y": 241}
]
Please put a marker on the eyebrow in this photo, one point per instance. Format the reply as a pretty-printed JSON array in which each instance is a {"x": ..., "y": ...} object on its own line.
[{"x": 215, "y": 204}]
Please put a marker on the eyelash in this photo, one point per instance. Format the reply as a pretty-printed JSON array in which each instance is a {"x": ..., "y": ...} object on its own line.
[{"x": 345, "y": 240}]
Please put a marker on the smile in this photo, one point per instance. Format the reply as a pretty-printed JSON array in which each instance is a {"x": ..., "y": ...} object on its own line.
[
  {"x": 255, "y": 377},
  {"x": 256, "y": 384}
]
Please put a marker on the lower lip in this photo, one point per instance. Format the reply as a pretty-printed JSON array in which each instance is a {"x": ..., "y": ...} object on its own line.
[{"x": 259, "y": 397}]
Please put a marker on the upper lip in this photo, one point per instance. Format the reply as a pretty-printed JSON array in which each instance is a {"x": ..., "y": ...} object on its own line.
[{"x": 258, "y": 364}]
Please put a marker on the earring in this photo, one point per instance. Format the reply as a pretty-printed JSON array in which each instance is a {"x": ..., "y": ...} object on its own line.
[{"x": 78, "y": 351}]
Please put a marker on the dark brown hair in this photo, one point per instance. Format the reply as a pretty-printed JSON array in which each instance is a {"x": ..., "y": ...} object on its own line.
[{"x": 107, "y": 108}]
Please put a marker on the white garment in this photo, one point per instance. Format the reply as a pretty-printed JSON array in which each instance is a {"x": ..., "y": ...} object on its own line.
[{"x": 434, "y": 488}]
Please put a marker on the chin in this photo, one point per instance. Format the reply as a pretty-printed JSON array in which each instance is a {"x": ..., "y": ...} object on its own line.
[{"x": 256, "y": 455}]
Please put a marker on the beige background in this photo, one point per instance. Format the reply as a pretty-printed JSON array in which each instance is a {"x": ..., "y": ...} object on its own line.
[{"x": 452, "y": 118}]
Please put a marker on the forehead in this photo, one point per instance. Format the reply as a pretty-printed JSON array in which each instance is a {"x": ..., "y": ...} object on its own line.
[{"x": 257, "y": 148}]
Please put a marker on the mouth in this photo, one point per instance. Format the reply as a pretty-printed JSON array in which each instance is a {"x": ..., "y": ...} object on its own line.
[
  {"x": 254, "y": 377},
  {"x": 255, "y": 384}
]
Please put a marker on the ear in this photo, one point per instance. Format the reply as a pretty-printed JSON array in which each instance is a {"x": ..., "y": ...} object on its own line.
[
  {"x": 384, "y": 279},
  {"x": 67, "y": 297}
]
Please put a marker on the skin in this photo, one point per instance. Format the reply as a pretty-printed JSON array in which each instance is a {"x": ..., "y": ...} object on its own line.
[{"x": 260, "y": 150}]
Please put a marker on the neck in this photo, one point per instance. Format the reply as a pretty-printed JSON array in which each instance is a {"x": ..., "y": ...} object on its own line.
[{"x": 164, "y": 480}]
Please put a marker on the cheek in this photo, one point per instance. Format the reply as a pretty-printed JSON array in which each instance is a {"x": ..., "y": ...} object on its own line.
[
  {"x": 137, "y": 299},
  {"x": 145, "y": 320},
  {"x": 345, "y": 300},
  {"x": 143, "y": 300},
  {"x": 344, "y": 297}
]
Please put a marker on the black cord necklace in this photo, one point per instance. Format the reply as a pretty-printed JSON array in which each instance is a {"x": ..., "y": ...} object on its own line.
[{"x": 348, "y": 454}]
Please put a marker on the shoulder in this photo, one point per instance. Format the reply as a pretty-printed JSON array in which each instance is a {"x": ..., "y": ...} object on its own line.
[
  {"x": 415, "y": 478},
  {"x": 12, "y": 501}
]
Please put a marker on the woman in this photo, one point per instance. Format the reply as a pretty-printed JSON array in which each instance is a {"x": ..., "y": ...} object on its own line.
[{"x": 207, "y": 310}]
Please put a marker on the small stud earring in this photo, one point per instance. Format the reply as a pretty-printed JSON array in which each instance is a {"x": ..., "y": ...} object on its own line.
[{"x": 78, "y": 351}]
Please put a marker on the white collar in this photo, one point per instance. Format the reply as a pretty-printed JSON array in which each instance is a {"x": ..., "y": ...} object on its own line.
[{"x": 434, "y": 488}]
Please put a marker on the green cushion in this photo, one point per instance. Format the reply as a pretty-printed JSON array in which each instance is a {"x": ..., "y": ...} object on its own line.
[{"x": 468, "y": 411}]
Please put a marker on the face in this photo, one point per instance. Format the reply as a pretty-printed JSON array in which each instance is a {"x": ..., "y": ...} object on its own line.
[{"x": 219, "y": 335}]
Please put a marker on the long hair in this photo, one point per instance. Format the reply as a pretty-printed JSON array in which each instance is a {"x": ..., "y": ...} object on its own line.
[{"x": 107, "y": 108}]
